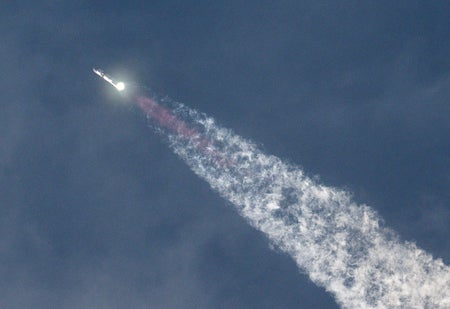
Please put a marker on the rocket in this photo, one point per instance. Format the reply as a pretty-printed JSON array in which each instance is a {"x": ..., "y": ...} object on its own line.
[{"x": 120, "y": 86}]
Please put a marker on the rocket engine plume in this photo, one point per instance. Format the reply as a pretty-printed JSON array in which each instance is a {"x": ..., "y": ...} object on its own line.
[{"x": 342, "y": 246}]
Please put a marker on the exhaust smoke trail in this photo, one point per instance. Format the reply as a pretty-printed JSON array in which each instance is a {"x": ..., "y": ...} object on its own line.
[{"x": 342, "y": 246}]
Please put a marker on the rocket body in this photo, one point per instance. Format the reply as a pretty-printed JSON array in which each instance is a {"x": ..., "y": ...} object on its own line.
[{"x": 120, "y": 86}]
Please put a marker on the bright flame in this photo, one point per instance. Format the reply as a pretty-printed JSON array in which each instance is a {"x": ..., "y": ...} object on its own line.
[{"x": 120, "y": 86}]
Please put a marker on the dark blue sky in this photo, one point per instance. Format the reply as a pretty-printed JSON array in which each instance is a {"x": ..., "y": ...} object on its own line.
[{"x": 95, "y": 211}]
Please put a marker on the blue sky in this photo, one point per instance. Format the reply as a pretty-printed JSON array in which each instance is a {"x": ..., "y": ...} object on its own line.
[{"x": 95, "y": 210}]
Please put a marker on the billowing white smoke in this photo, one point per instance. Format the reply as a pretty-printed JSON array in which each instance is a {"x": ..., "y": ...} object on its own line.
[{"x": 342, "y": 246}]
